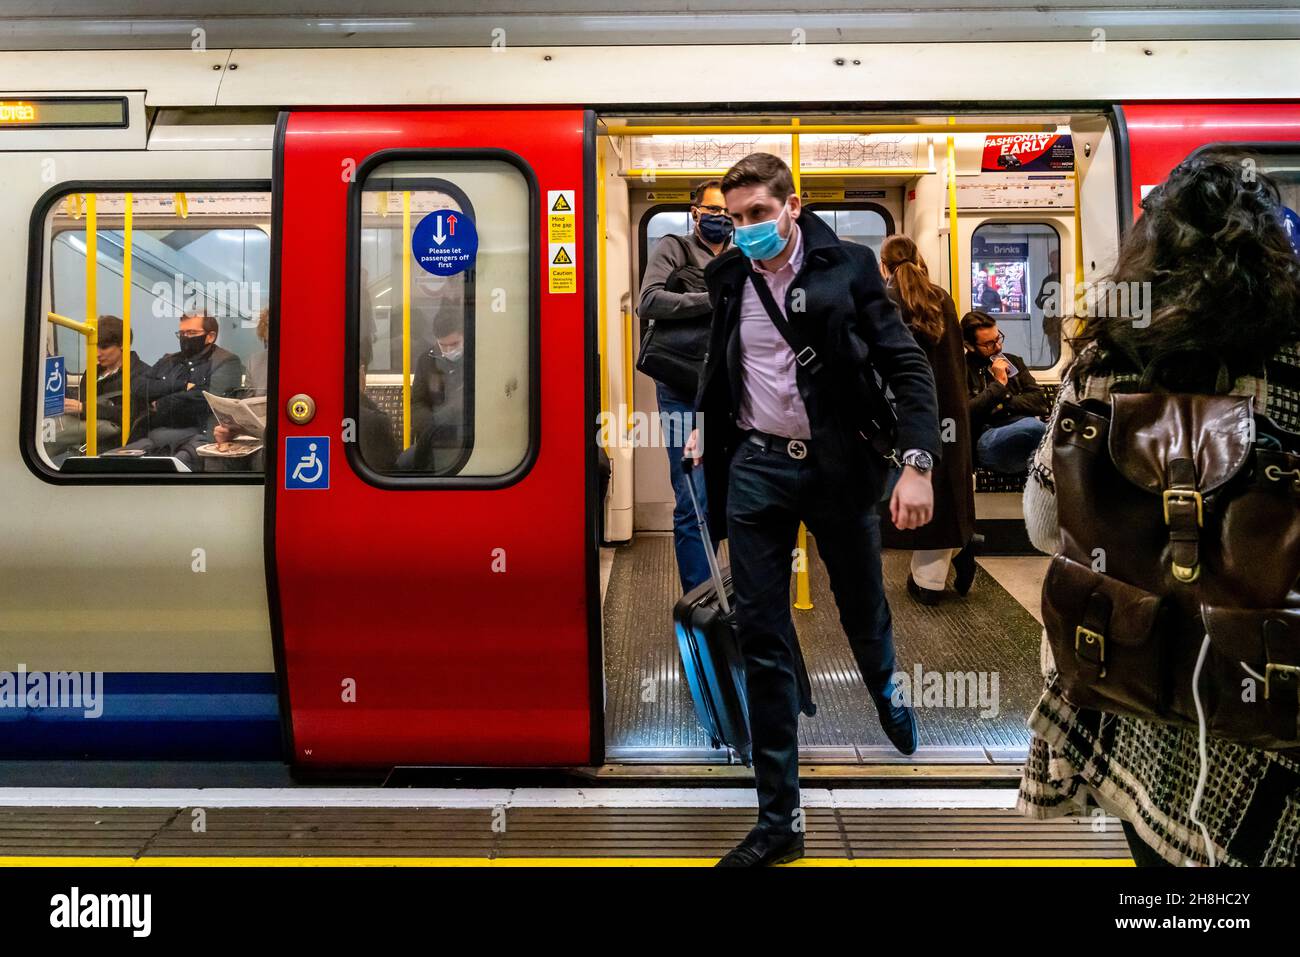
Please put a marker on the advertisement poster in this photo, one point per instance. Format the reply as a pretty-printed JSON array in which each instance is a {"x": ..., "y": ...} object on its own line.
[
  {"x": 1028, "y": 152},
  {"x": 998, "y": 276}
]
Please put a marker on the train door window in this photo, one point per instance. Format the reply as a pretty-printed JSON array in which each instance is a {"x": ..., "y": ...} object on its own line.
[
  {"x": 661, "y": 221},
  {"x": 863, "y": 223},
  {"x": 445, "y": 321},
  {"x": 1016, "y": 278},
  {"x": 168, "y": 289}
]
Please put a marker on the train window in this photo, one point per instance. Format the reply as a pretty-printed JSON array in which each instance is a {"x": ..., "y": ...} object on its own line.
[
  {"x": 444, "y": 326},
  {"x": 864, "y": 223},
  {"x": 168, "y": 289},
  {"x": 661, "y": 221},
  {"x": 1016, "y": 277}
]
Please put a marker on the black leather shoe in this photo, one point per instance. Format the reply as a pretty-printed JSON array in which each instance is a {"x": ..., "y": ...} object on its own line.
[
  {"x": 964, "y": 564},
  {"x": 926, "y": 596},
  {"x": 763, "y": 848},
  {"x": 899, "y": 723}
]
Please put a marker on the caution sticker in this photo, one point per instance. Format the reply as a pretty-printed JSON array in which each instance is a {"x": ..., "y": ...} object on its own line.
[
  {"x": 560, "y": 216},
  {"x": 669, "y": 196},
  {"x": 562, "y": 265}
]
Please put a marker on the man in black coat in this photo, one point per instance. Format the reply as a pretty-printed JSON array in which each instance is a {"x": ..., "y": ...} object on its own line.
[
  {"x": 167, "y": 400},
  {"x": 1008, "y": 407},
  {"x": 780, "y": 445}
]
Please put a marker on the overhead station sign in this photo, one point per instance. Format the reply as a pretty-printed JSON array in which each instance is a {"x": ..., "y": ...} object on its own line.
[{"x": 1028, "y": 152}]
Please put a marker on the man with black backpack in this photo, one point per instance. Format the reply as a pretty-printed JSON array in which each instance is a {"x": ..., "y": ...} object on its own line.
[
  {"x": 793, "y": 430},
  {"x": 675, "y": 303}
]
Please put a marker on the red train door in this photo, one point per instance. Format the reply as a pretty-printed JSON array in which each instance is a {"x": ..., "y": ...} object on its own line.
[{"x": 431, "y": 480}]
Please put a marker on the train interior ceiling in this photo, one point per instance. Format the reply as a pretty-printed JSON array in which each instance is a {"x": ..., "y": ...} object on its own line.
[{"x": 867, "y": 177}]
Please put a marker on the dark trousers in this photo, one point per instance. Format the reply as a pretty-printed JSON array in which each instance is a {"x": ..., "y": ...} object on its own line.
[{"x": 768, "y": 494}]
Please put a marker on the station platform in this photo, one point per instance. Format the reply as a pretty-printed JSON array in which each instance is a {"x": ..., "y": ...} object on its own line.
[{"x": 598, "y": 826}]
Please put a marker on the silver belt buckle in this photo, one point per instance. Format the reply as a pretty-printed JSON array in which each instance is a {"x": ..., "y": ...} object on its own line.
[{"x": 796, "y": 449}]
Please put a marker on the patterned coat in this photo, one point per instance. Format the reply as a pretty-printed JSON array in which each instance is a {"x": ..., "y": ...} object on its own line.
[{"x": 1144, "y": 771}]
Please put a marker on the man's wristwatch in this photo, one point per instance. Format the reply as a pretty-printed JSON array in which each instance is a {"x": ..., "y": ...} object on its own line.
[{"x": 920, "y": 460}]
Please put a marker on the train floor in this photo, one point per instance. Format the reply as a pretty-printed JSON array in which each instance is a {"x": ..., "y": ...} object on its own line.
[
  {"x": 527, "y": 826},
  {"x": 977, "y": 660}
]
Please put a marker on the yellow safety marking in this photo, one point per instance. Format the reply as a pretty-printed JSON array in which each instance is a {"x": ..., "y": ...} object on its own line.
[
  {"x": 547, "y": 862},
  {"x": 561, "y": 205},
  {"x": 182, "y": 206},
  {"x": 562, "y": 257}
]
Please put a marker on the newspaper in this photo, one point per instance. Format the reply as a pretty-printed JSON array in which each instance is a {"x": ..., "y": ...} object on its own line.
[{"x": 240, "y": 416}]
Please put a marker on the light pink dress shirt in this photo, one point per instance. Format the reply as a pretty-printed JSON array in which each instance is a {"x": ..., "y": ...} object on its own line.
[{"x": 770, "y": 401}]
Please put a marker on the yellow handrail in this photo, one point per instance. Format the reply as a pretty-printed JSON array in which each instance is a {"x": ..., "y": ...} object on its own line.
[
  {"x": 1079, "y": 292},
  {"x": 602, "y": 320},
  {"x": 89, "y": 379},
  {"x": 628, "y": 368},
  {"x": 954, "y": 247},
  {"x": 406, "y": 319},
  {"x": 81, "y": 328},
  {"x": 802, "y": 591},
  {"x": 126, "y": 317}
]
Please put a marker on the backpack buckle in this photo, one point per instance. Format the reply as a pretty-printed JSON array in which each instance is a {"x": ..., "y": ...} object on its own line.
[
  {"x": 1183, "y": 496},
  {"x": 808, "y": 352},
  {"x": 1287, "y": 673},
  {"x": 1096, "y": 639}
]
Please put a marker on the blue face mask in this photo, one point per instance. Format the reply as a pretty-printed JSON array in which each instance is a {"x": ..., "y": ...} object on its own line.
[
  {"x": 715, "y": 228},
  {"x": 761, "y": 240}
]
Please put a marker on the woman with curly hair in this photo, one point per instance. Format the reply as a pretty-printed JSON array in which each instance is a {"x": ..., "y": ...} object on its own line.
[{"x": 1223, "y": 284}]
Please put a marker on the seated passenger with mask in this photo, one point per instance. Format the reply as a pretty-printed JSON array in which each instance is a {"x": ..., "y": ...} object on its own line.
[{"x": 172, "y": 417}]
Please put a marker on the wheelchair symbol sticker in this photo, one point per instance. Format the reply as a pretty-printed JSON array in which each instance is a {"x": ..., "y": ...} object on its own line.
[
  {"x": 307, "y": 462},
  {"x": 55, "y": 385}
]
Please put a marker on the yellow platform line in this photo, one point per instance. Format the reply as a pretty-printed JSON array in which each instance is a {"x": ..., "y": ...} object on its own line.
[{"x": 545, "y": 862}]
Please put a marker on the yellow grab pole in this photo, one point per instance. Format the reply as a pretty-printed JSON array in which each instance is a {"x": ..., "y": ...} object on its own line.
[
  {"x": 628, "y": 367},
  {"x": 1079, "y": 309},
  {"x": 406, "y": 319},
  {"x": 89, "y": 390},
  {"x": 78, "y": 327},
  {"x": 802, "y": 591},
  {"x": 602, "y": 320},
  {"x": 954, "y": 248},
  {"x": 126, "y": 318}
]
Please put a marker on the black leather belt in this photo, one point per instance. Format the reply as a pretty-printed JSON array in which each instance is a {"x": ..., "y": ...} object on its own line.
[{"x": 795, "y": 448}]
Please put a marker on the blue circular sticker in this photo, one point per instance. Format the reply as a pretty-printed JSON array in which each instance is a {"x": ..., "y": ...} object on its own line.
[
  {"x": 1291, "y": 223},
  {"x": 445, "y": 242}
]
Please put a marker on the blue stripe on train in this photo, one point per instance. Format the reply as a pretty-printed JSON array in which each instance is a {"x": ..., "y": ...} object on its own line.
[{"x": 154, "y": 715}]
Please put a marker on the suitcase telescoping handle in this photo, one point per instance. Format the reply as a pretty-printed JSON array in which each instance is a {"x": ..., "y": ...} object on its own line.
[{"x": 688, "y": 469}]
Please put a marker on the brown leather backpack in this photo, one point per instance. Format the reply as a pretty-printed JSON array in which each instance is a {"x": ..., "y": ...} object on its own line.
[{"x": 1180, "y": 518}]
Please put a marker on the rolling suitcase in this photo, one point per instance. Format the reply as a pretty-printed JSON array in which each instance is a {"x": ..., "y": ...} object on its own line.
[{"x": 711, "y": 659}]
